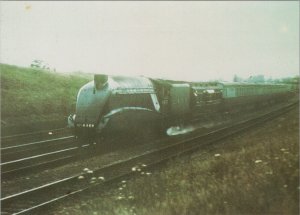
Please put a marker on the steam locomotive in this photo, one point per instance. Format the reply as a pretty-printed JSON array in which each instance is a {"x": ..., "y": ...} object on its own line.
[{"x": 118, "y": 104}]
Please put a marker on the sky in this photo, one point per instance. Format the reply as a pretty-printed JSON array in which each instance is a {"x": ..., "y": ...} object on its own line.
[{"x": 191, "y": 41}]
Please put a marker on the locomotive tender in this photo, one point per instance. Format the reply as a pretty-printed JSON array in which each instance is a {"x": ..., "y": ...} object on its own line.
[{"x": 120, "y": 104}]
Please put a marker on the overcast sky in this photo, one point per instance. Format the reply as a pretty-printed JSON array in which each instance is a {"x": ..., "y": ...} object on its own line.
[{"x": 193, "y": 40}]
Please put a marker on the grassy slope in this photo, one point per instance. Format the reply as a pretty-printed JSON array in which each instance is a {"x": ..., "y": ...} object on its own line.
[
  {"x": 256, "y": 173},
  {"x": 30, "y": 95}
]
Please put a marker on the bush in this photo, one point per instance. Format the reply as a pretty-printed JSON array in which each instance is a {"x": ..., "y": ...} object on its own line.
[{"x": 35, "y": 93}]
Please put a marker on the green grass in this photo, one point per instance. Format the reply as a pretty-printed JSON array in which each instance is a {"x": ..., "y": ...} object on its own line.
[
  {"x": 256, "y": 173},
  {"x": 31, "y": 95}
]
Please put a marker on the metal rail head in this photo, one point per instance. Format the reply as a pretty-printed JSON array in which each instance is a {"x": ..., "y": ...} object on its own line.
[{"x": 34, "y": 136}]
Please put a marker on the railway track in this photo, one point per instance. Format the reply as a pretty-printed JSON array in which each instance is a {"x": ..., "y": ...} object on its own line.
[
  {"x": 19, "y": 156},
  {"x": 17, "y": 139},
  {"x": 35, "y": 200}
]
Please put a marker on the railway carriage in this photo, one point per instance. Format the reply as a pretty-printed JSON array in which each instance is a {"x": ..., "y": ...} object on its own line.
[
  {"x": 244, "y": 95},
  {"x": 117, "y": 104}
]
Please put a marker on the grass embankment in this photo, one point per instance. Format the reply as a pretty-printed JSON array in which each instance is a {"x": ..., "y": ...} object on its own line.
[
  {"x": 255, "y": 173},
  {"x": 33, "y": 95}
]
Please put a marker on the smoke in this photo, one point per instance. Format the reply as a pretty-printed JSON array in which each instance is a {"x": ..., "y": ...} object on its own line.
[
  {"x": 177, "y": 130},
  {"x": 187, "y": 128}
]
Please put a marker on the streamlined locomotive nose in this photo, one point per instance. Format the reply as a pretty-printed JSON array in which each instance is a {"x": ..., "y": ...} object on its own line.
[{"x": 91, "y": 102}]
